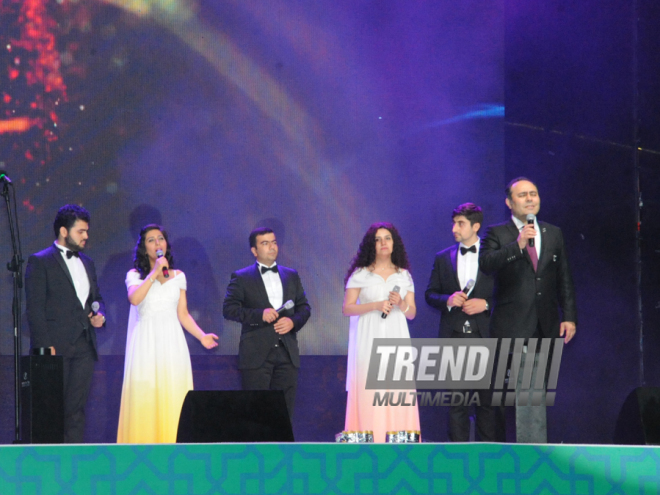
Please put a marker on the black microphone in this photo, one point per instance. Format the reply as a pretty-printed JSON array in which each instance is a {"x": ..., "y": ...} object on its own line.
[
  {"x": 468, "y": 286},
  {"x": 166, "y": 272},
  {"x": 287, "y": 305},
  {"x": 396, "y": 289},
  {"x": 530, "y": 221},
  {"x": 95, "y": 308},
  {"x": 4, "y": 177}
]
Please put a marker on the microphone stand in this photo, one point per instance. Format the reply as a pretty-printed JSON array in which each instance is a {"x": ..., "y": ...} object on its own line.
[{"x": 15, "y": 266}]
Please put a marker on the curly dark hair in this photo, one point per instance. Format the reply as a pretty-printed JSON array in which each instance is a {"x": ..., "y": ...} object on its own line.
[
  {"x": 67, "y": 216},
  {"x": 140, "y": 259},
  {"x": 366, "y": 254}
]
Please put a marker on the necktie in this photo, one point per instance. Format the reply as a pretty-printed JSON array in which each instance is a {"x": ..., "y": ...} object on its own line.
[
  {"x": 533, "y": 255},
  {"x": 472, "y": 249},
  {"x": 70, "y": 254},
  {"x": 271, "y": 269}
]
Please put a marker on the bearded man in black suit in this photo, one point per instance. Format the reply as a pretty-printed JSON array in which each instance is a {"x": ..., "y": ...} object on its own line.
[
  {"x": 464, "y": 313},
  {"x": 268, "y": 354},
  {"x": 532, "y": 283},
  {"x": 60, "y": 287}
]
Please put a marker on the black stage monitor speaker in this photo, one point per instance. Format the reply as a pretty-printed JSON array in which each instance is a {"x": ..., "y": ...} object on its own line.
[
  {"x": 639, "y": 419},
  {"x": 42, "y": 391},
  {"x": 234, "y": 416}
]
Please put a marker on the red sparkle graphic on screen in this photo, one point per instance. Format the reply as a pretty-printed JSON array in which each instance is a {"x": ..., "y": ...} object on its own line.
[
  {"x": 31, "y": 81},
  {"x": 37, "y": 37}
]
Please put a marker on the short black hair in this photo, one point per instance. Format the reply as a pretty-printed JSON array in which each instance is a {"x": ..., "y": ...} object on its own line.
[
  {"x": 517, "y": 179},
  {"x": 256, "y": 232},
  {"x": 470, "y": 211},
  {"x": 67, "y": 216}
]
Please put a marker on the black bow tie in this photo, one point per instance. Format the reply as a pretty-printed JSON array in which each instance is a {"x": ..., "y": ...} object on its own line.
[
  {"x": 472, "y": 249},
  {"x": 271, "y": 269},
  {"x": 70, "y": 254}
]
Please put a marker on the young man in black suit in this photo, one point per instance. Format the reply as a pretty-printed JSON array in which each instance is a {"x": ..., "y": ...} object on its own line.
[
  {"x": 532, "y": 282},
  {"x": 268, "y": 355},
  {"x": 464, "y": 314},
  {"x": 60, "y": 287}
]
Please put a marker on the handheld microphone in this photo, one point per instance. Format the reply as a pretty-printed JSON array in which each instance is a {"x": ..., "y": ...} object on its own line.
[
  {"x": 95, "y": 308},
  {"x": 4, "y": 177},
  {"x": 468, "y": 286},
  {"x": 287, "y": 305},
  {"x": 166, "y": 272},
  {"x": 530, "y": 220},
  {"x": 396, "y": 289}
]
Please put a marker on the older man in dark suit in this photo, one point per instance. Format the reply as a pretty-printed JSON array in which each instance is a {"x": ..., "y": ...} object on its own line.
[
  {"x": 268, "y": 354},
  {"x": 464, "y": 310},
  {"x": 60, "y": 287},
  {"x": 532, "y": 282}
]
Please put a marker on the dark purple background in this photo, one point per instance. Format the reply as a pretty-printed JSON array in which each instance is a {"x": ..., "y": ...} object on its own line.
[
  {"x": 321, "y": 118},
  {"x": 317, "y": 119}
]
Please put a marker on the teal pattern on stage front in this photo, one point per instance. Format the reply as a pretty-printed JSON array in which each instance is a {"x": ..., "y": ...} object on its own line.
[{"x": 329, "y": 468}]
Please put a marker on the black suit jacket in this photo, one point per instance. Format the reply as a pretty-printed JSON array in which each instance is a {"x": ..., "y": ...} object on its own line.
[
  {"x": 444, "y": 282},
  {"x": 55, "y": 315},
  {"x": 245, "y": 302},
  {"x": 526, "y": 300}
]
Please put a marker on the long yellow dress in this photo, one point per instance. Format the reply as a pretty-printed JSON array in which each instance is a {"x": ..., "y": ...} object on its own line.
[{"x": 157, "y": 369}]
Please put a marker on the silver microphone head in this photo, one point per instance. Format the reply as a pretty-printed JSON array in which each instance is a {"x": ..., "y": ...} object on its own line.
[
  {"x": 289, "y": 304},
  {"x": 396, "y": 289},
  {"x": 159, "y": 253},
  {"x": 531, "y": 217},
  {"x": 95, "y": 306},
  {"x": 470, "y": 284}
]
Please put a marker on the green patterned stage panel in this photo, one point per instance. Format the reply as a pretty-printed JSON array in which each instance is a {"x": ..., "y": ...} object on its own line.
[{"x": 328, "y": 468}]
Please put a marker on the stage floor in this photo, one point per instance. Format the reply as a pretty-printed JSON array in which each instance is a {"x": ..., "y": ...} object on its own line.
[{"x": 307, "y": 468}]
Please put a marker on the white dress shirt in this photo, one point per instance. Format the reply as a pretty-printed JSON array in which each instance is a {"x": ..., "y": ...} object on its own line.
[
  {"x": 273, "y": 284},
  {"x": 77, "y": 272},
  {"x": 537, "y": 239},
  {"x": 467, "y": 265}
]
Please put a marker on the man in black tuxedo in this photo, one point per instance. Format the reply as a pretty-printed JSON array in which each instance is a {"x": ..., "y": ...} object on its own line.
[
  {"x": 60, "y": 287},
  {"x": 465, "y": 313},
  {"x": 268, "y": 354},
  {"x": 532, "y": 282}
]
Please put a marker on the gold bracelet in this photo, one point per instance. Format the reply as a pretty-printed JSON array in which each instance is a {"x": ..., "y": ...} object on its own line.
[
  {"x": 406, "y": 309},
  {"x": 152, "y": 280}
]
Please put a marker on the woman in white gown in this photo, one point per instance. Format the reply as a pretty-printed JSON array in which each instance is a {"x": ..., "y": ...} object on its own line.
[
  {"x": 157, "y": 370},
  {"x": 380, "y": 264}
]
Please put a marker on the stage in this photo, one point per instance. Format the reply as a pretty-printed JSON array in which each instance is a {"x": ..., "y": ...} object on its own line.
[
  {"x": 317, "y": 119},
  {"x": 329, "y": 468}
]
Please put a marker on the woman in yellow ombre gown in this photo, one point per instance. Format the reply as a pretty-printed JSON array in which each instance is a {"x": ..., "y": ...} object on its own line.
[{"x": 157, "y": 369}]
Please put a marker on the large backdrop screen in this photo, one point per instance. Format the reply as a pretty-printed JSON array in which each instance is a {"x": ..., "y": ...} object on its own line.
[{"x": 215, "y": 117}]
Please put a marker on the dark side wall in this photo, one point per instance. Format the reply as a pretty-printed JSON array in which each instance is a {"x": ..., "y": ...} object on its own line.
[{"x": 583, "y": 121}]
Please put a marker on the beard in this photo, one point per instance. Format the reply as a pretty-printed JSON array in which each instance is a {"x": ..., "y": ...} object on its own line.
[{"x": 71, "y": 244}]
